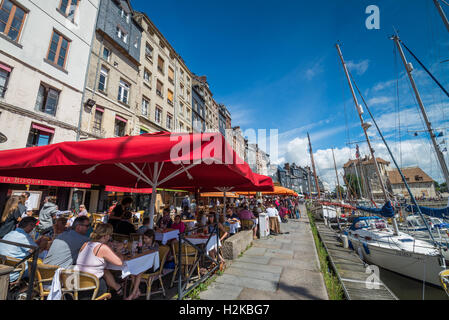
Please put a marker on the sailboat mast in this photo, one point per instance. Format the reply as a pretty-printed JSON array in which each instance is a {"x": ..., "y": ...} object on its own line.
[
  {"x": 310, "y": 182},
  {"x": 313, "y": 166},
  {"x": 409, "y": 69},
  {"x": 339, "y": 195},
  {"x": 442, "y": 14},
  {"x": 364, "y": 125}
]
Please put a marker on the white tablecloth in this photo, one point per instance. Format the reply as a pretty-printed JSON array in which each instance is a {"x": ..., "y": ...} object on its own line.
[
  {"x": 138, "y": 265},
  {"x": 190, "y": 224},
  {"x": 212, "y": 244},
  {"x": 233, "y": 227},
  {"x": 166, "y": 236}
]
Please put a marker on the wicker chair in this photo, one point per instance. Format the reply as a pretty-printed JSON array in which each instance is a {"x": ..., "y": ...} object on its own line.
[
  {"x": 12, "y": 262},
  {"x": 188, "y": 257},
  {"x": 44, "y": 278},
  {"x": 85, "y": 282},
  {"x": 247, "y": 224},
  {"x": 148, "y": 278}
]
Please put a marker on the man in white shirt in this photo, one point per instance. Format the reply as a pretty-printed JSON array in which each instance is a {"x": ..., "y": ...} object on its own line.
[
  {"x": 273, "y": 212},
  {"x": 275, "y": 219},
  {"x": 29, "y": 207}
]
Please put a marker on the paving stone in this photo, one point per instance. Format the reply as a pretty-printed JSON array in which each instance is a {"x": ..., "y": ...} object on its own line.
[
  {"x": 257, "y": 267},
  {"x": 254, "y": 259},
  {"x": 267, "y": 245},
  {"x": 221, "y": 291},
  {"x": 246, "y": 282},
  {"x": 254, "y": 251},
  {"x": 254, "y": 274},
  {"x": 295, "y": 263}
]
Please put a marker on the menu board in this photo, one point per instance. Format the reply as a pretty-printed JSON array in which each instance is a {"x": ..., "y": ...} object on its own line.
[{"x": 35, "y": 197}]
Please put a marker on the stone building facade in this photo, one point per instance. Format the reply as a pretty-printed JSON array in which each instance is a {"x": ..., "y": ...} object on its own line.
[
  {"x": 365, "y": 169},
  {"x": 112, "y": 99},
  {"x": 420, "y": 183},
  {"x": 44, "y": 51}
]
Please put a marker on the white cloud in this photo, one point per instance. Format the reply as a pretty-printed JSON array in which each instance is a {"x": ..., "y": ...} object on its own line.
[
  {"x": 416, "y": 152},
  {"x": 359, "y": 67}
]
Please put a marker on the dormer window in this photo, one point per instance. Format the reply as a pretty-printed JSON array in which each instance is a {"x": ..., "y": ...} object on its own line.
[
  {"x": 121, "y": 34},
  {"x": 125, "y": 15}
]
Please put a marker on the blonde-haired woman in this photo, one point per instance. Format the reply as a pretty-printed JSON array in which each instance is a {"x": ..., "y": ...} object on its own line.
[
  {"x": 11, "y": 216},
  {"x": 94, "y": 256}
]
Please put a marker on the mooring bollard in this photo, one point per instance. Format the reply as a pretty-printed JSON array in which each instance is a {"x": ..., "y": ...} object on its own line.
[{"x": 345, "y": 240}]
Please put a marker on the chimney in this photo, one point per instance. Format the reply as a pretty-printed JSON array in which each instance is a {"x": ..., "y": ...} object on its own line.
[{"x": 287, "y": 166}]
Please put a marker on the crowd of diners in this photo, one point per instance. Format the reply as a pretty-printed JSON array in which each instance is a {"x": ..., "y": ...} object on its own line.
[{"x": 69, "y": 242}]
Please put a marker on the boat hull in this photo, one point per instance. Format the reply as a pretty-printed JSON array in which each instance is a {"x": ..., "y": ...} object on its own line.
[{"x": 414, "y": 265}]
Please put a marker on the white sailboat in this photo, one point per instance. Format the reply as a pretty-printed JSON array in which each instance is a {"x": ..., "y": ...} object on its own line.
[
  {"x": 378, "y": 244},
  {"x": 389, "y": 248}
]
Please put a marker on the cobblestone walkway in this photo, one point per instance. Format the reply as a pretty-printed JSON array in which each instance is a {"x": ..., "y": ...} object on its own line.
[{"x": 283, "y": 267}]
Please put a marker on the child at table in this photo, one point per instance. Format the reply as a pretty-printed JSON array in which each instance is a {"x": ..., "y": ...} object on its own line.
[
  {"x": 179, "y": 225},
  {"x": 149, "y": 243}
]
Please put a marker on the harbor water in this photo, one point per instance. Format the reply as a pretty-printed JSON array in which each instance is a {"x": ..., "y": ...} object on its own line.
[{"x": 409, "y": 289}]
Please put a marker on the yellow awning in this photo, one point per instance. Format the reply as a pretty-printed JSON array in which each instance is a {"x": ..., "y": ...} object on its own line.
[{"x": 218, "y": 195}]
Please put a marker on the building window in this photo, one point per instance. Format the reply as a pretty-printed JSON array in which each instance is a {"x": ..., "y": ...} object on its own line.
[
  {"x": 182, "y": 90},
  {"x": 103, "y": 82},
  {"x": 160, "y": 64},
  {"x": 170, "y": 96},
  {"x": 5, "y": 72},
  {"x": 121, "y": 34},
  {"x": 158, "y": 115},
  {"x": 39, "y": 135},
  {"x": 181, "y": 127},
  {"x": 181, "y": 109},
  {"x": 159, "y": 88},
  {"x": 147, "y": 76},
  {"x": 145, "y": 107},
  {"x": 59, "y": 47},
  {"x": 169, "y": 121},
  {"x": 106, "y": 54},
  {"x": 120, "y": 126},
  {"x": 125, "y": 15},
  {"x": 182, "y": 75},
  {"x": 171, "y": 75},
  {"x": 68, "y": 8},
  {"x": 11, "y": 19},
  {"x": 123, "y": 91},
  {"x": 47, "y": 99},
  {"x": 144, "y": 131},
  {"x": 98, "y": 119},
  {"x": 149, "y": 51}
]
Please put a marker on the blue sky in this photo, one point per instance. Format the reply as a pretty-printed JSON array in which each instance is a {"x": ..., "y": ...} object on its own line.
[{"x": 274, "y": 64}]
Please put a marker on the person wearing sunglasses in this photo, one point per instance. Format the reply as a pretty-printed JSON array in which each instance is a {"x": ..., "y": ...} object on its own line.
[{"x": 65, "y": 248}]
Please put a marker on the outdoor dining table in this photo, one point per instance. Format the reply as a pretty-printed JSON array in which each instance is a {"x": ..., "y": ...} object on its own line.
[
  {"x": 234, "y": 226},
  {"x": 166, "y": 235},
  {"x": 203, "y": 239},
  {"x": 138, "y": 263},
  {"x": 190, "y": 224}
]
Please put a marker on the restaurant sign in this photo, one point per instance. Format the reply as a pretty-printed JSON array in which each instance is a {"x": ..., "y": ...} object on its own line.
[{"x": 41, "y": 182}]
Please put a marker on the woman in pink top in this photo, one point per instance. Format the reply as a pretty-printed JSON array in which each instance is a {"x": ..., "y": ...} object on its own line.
[
  {"x": 95, "y": 254},
  {"x": 178, "y": 224}
]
